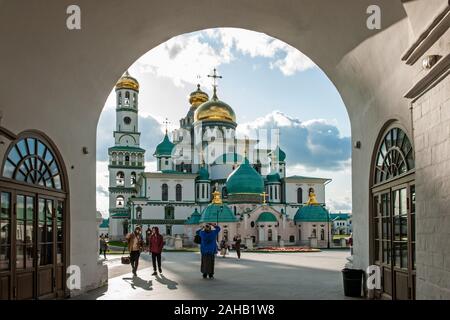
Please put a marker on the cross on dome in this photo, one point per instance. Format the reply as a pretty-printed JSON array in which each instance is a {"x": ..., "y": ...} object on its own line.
[{"x": 215, "y": 77}]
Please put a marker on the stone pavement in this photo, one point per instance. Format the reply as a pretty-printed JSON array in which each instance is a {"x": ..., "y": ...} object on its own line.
[{"x": 256, "y": 276}]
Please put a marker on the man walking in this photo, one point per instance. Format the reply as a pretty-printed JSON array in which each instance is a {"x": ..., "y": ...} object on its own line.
[
  {"x": 135, "y": 243},
  {"x": 156, "y": 244},
  {"x": 237, "y": 245}
]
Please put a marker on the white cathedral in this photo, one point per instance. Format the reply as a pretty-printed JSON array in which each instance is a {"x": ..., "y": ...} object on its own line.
[{"x": 206, "y": 174}]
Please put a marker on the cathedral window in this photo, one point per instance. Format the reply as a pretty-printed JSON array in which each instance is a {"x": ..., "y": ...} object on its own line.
[
  {"x": 276, "y": 193},
  {"x": 269, "y": 235},
  {"x": 120, "y": 202},
  {"x": 203, "y": 190},
  {"x": 178, "y": 193},
  {"x": 322, "y": 234},
  {"x": 120, "y": 179},
  {"x": 127, "y": 98},
  {"x": 299, "y": 195},
  {"x": 135, "y": 100},
  {"x": 164, "y": 192},
  {"x": 197, "y": 191},
  {"x": 139, "y": 213},
  {"x": 120, "y": 99},
  {"x": 133, "y": 178}
]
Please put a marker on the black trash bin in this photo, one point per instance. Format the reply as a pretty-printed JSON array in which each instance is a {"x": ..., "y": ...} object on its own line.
[{"x": 352, "y": 279}]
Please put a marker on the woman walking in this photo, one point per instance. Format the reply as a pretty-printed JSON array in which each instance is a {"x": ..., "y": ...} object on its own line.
[
  {"x": 223, "y": 247},
  {"x": 208, "y": 249},
  {"x": 135, "y": 244}
]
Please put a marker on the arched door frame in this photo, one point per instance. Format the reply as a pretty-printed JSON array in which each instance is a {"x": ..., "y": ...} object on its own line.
[
  {"x": 39, "y": 192},
  {"x": 405, "y": 179}
]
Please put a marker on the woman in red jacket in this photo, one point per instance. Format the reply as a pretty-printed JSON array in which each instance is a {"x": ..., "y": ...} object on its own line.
[{"x": 156, "y": 245}]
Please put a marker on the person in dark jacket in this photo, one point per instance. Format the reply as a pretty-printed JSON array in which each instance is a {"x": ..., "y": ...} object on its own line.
[
  {"x": 237, "y": 245},
  {"x": 156, "y": 244},
  {"x": 208, "y": 249}
]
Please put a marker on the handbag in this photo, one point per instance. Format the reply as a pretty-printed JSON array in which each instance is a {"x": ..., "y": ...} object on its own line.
[{"x": 125, "y": 260}]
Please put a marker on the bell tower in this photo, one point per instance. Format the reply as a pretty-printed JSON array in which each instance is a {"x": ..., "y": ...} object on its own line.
[{"x": 126, "y": 157}]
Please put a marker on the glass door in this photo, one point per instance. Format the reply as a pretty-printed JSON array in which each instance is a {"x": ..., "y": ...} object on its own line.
[
  {"x": 45, "y": 248},
  {"x": 5, "y": 245}
]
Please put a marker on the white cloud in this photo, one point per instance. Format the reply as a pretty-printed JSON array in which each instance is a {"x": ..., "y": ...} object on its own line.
[
  {"x": 313, "y": 144},
  {"x": 185, "y": 57}
]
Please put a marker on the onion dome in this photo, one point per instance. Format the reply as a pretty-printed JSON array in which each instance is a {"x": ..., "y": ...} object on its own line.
[
  {"x": 198, "y": 97},
  {"x": 266, "y": 217},
  {"x": 312, "y": 213},
  {"x": 127, "y": 82},
  {"x": 245, "y": 184},
  {"x": 273, "y": 178},
  {"x": 215, "y": 110},
  {"x": 164, "y": 148},
  {"x": 194, "y": 218},
  {"x": 278, "y": 154},
  {"x": 216, "y": 211},
  {"x": 203, "y": 174}
]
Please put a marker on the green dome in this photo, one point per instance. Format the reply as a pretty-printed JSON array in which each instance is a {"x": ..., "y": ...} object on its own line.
[
  {"x": 194, "y": 218},
  {"x": 203, "y": 174},
  {"x": 210, "y": 213},
  {"x": 245, "y": 179},
  {"x": 273, "y": 178},
  {"x": 279, "y": 154},
  {"x": 165, "y": 147},
  {"x": 312, "y": 213},
  {"x": 266, "y": 217}
]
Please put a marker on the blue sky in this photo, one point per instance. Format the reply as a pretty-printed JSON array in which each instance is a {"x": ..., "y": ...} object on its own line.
[{"x": 269, "y": 85}]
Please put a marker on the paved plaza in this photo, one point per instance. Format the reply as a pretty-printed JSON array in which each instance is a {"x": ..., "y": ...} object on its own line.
[{"x": 255, "y": 276}]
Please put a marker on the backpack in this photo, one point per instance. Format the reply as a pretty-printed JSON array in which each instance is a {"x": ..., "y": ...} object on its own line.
[{"x": 197, "y": 239}]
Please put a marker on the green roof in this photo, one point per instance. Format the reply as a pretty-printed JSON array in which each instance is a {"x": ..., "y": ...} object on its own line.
[
  {"x": 104, "y": 224},
  {"x": 339, "y": 216},
  {"x": 273, "y": 177},
  {"x": 244, "y": 180},
  {"x": 126, "y": 148},
  {"x": 203, "y": 174},
  {"x": 312, "y": 213},
  {"x": 266, "y": 217},
  {"x": 165, "y": 147},
  {"x": 215, "y": 213},
  {"x": 194, "y": 218}
]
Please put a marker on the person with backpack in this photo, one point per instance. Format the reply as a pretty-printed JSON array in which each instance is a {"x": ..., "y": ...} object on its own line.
[
  {"x": 156, "y": 244},
  {"x": 208, "y": 248}
]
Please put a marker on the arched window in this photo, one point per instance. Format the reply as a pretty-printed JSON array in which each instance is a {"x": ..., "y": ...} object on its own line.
[
  {"x": 291, "y": 238},
  {"x": 133, "y": 178},
  {"x": 395, "y": 156},
  {"x": 127, "y": 159},
  {"x": 120, "y": 179},
  {"x": 203, "y": 190},
  {"x": 276, "y": 193},
  {"x": 164, "y": 192},
  {"x": 322, "y": 234},
  {"x": 224, "y": 193},
  {"x": 139, "y": 213},
  {"x": 269, "y": 235},
  {"x": 31, "y": 161},
  {"x": 127, "y": 98},
  {"x": 120, "y": 99},
  {"x": 178, "y": 192},
  {"x": 120, "y": 202},
  {"x": 299, "y": 195}
]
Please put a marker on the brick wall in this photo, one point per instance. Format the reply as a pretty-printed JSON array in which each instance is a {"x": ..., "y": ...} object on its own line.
[{"x": 431, "y": 119}]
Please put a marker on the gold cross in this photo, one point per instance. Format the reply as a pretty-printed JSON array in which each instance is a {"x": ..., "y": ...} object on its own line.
[
  {"x": 215, "y": 77},
  {"x": 166, "y": 122},
  {"x": 264, "y": 197}
]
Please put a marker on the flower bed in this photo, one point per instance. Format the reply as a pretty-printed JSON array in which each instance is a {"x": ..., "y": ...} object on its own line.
[{"x": 284, "y": 249}]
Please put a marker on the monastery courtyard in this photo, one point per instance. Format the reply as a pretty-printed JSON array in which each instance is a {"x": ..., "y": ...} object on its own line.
[{"x": 255, "y": 276}]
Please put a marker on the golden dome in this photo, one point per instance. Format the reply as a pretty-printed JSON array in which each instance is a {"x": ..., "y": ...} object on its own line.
[
  {"x": 127, "y": 82},
  {"x": 198, "y": 97},
  {"x": 215, "y": 110}
]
